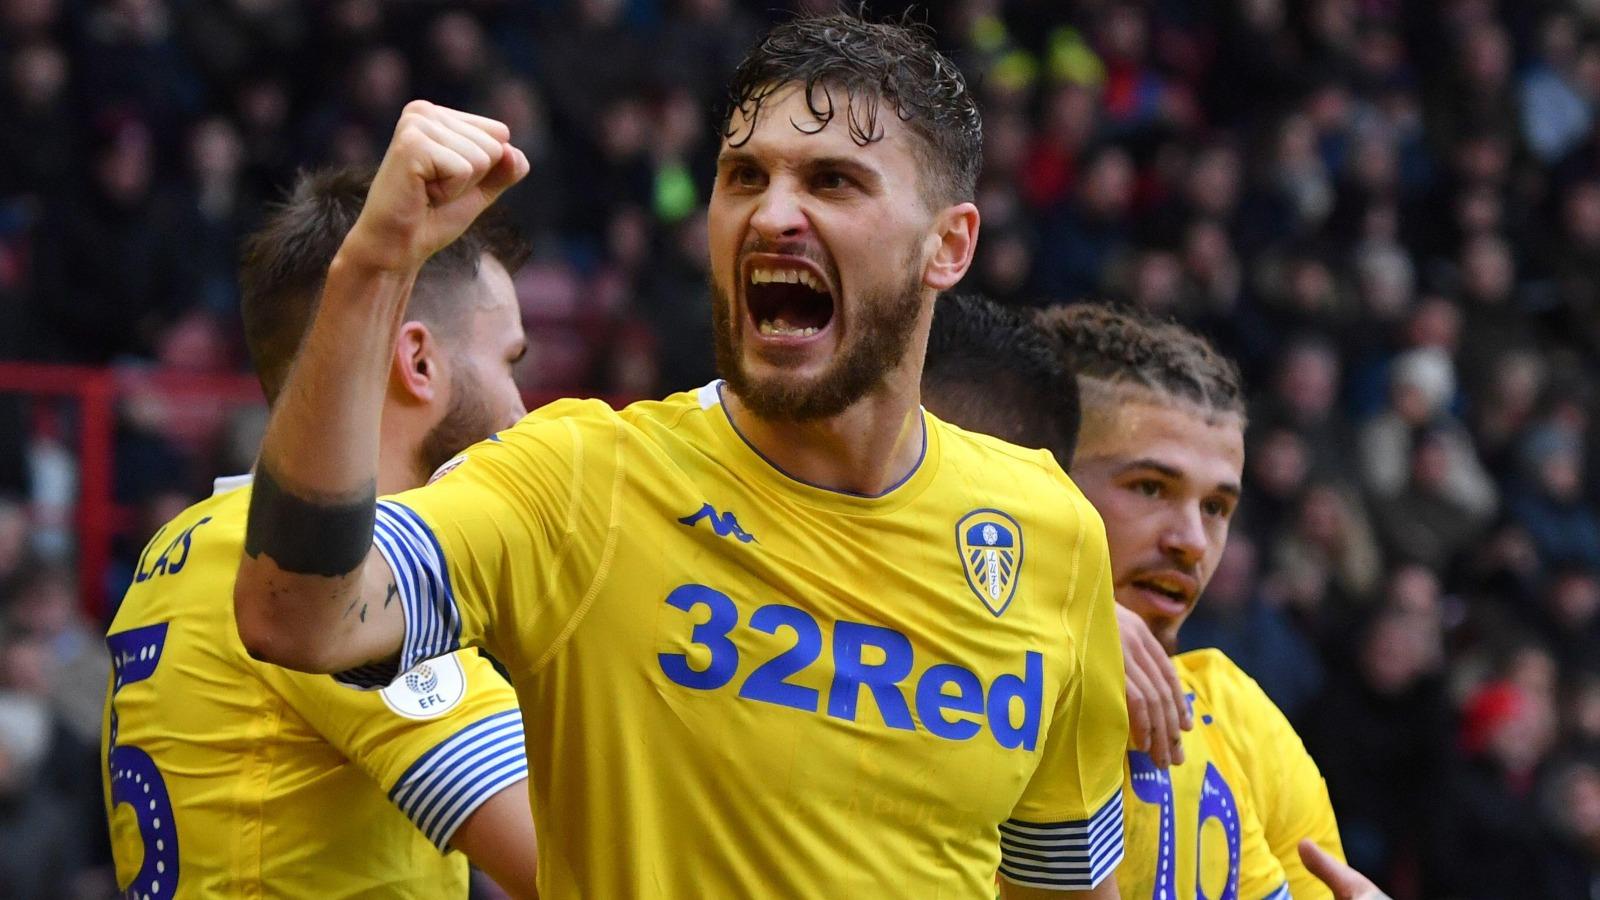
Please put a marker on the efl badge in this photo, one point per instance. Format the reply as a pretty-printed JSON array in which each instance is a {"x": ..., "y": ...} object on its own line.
[
  {"x": 431, "y": 689},
  {"x": 990, "y": 543}
]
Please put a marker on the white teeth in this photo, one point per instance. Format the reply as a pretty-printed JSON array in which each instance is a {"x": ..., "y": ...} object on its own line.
[
  {"x": 789, "y": 276},
  {"x": 780, "y": 327}
]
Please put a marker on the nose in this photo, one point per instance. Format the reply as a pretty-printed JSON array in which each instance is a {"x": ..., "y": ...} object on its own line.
[
  {"x": 1183, "y": 540},
  {"x": 779, "y": 215}
]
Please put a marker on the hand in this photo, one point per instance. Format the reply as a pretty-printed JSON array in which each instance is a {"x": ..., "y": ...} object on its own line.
[
  {"x": 443, "y": 168},
  {"x": 1158, "y": 712},
  {"x": 1345, "y": 882}
]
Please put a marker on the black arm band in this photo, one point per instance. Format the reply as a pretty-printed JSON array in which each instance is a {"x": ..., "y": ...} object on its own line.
[{"x": 308, "y": 537}]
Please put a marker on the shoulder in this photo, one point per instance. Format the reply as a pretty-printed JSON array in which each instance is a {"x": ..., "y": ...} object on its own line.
[
  {"x": 1220, "y": 678},
  {"x": 586, "y": 418},
  {"x": 1005, "y": 467},
  {"x": 1209, "y": 666},
  {"x": 1213, "y": 677},
  {"x": 959, "y": 443},
  {"x": 992, "y": 461},
  {"x": 213, "y": 527},
  {"x": 1236, "y": 697}
]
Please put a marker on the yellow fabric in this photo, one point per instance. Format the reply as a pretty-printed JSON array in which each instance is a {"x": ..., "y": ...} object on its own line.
[
  {"x": 1194, "y": 830},
  {"x": 683, "y": 622},
  {"x": 274, "y": 782},
  {"x": 1292, "y": 797}
]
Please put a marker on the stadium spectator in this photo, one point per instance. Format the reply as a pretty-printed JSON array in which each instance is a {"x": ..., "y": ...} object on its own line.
[
  {"x": 44, "y": 836},
  {"x": 1380, "y": 734}
]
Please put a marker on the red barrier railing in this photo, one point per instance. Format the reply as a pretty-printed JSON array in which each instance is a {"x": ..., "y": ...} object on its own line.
[{"x": 96, "y": 391}]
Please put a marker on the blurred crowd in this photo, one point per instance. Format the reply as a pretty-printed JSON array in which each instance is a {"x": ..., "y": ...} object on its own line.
[{"x": 1388, "y": 212}]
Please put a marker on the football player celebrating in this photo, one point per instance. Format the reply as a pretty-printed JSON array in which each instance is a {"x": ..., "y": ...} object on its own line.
[{"x": 784, "y": 636}]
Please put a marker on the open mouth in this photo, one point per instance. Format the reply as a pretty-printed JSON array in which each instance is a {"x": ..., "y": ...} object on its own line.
[
  {"x": 1173, "y": 589},
  {"x": 787, "y": 297}
]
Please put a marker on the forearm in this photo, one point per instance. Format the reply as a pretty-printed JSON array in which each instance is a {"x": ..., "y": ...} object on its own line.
[
  {"x": 499, "y": 839},
  {"x": 322, "y": 441},
  {"x": 301, "y": 590},
  {"x": 311, "y": 594}
]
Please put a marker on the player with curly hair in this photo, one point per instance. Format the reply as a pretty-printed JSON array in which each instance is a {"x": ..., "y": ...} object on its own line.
[
  {"x": 788, "y": 635},
  {"x": 1161, "y": 456}
]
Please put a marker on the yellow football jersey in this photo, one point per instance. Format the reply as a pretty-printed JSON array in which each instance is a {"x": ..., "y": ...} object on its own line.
[
  {"x": 738, "y": 684},
  {"x": 1193, "y": 830},
  {"x": 1291, "y": 796},
  {"x": 226, "y": 777}
]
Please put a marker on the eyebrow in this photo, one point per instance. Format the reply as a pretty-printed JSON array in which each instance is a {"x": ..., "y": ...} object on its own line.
[
  {"x": 730, "y": 157},
  {"x": 867, "y": 175},
  {"x": 1161, "y": 468}
]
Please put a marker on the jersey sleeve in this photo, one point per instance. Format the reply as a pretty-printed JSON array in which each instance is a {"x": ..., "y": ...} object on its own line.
[
  {"x": 440, "y": 741},
  {"x": 508, "y": 543},
  {"x": 1066, "y": 830},
  {"x": 1291, "y": 795}
]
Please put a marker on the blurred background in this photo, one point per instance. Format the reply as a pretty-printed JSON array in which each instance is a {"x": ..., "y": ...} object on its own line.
[{"x": 1388, "y": 212}]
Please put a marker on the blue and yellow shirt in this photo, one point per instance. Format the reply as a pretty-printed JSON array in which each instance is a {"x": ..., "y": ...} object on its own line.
[
  {"x": 740, "y": 684},
  {"x": 226, "y": 777}
]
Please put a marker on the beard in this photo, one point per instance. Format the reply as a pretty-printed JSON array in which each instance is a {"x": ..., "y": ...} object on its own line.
[
  {"x": 876, "y": 343},
  {"x": 466, "y": 422}
]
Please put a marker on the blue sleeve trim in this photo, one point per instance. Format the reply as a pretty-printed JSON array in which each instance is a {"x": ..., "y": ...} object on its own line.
[
  {"x": 1063, "y": 856},
  {"x": 450, "y": 781},
  {"x": 422, "y": 577},
  {"x": 1282, "y": 893}
]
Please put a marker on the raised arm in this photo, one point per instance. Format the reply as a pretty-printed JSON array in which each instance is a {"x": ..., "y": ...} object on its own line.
[{"x": 312, "y": 594}]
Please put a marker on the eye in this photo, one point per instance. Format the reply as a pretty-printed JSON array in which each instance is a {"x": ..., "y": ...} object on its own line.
[
  {"x": 1216, "y": 507},
  {"x": 831, "y": 180},
  {"x": 1147, "y": 487},
  {"x": 745, "y": 176}
]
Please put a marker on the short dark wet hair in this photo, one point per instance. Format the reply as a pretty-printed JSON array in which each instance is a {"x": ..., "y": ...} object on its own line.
[{"x": 874, "y": 63}]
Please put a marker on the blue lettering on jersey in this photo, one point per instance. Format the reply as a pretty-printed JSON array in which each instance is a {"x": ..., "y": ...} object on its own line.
[
  {"x": 950, "y": 699},
  {"x": 724, "y": 524},
  {"x": 172, "y": 559}
]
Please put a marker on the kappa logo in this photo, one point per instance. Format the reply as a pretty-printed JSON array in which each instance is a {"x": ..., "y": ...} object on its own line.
[
  {"x": 724, "y": 524},
  {"x": 990, "y": 545}
]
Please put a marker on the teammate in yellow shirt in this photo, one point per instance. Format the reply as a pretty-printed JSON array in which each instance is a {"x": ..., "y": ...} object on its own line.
[
  {"x": 228, "y": 777},
  {"x": 784, "y": 636},
  {"x": 1190, "y": 832},
  {"x": 1160, "y": 453}
]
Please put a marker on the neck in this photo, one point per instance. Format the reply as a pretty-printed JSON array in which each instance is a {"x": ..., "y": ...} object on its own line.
[
  {"x": 867, "y": 449},
  {"x": 397, "y": 471},
  {"x": 398, "y": 465}
]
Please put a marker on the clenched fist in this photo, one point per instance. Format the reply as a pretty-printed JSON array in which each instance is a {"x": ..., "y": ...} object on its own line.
[{"x": 443, "y": 168}]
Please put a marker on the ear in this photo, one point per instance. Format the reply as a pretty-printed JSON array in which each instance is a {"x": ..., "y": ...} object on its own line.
[
  {"x": 417, "y": 363},
  {"x": 954, "y": 241}
]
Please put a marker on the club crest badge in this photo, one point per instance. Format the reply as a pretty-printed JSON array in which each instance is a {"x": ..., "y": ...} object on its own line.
[
  {"x": 990, "y": 544},
  {"x": 449, "y": 466}
]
